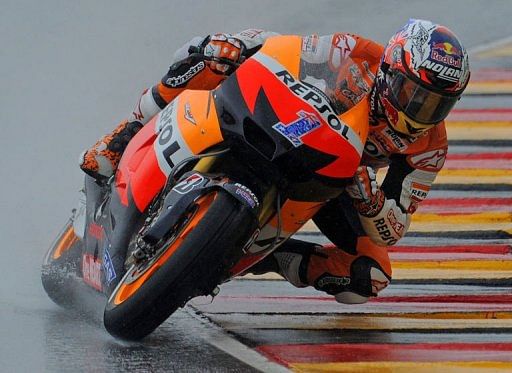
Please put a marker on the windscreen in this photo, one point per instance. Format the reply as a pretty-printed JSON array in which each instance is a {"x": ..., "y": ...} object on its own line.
[{"x": 343, "y": 85}]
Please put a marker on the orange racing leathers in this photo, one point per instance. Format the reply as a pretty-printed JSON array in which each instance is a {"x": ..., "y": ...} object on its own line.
[{"x": 358, "y": 266}]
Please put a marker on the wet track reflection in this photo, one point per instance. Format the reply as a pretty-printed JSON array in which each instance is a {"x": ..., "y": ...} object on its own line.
[
  {"x": 74, "y": 344},
  {"x": 71, "y": 70}
]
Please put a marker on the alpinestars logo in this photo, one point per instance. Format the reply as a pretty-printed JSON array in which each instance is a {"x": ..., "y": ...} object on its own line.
[
  {"x": 179, "y": 80},
  {"x": 430, "y": 161}
]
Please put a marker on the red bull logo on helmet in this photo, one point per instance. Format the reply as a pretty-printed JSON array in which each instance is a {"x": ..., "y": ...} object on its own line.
[{"x": 446, "y": 53}]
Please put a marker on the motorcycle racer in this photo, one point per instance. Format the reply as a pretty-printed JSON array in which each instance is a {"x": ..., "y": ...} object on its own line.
[{"x": 411, "y": 84}]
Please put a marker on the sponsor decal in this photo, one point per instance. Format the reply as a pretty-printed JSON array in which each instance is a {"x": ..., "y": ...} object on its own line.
[
  {"x": 391, "y": 112},
  {"x": 310, "y": 43},
  {"x": 429, "y": 161},
  {"x": 354, "y": 87},
  {"x": 166, "y": 116},
  {"x": 187, "y": 185},
  {"x": 306, "y": 123},
  {"x": 188, "y": 114},
  {"x": 447, "y": 54},
  {"x": 170, "y": 146},
  {"x": 346, "y": 91},
  {"x": 247, "y": 195},
  {"x": 419, "y": 191},
  {"x": 395, "y": 139},
  {"x": 344, "y": 44},
  {"x": 319, "y": 102},
  {"x": 177, "y": 81},
  {"x": 110, "y": 272},
  {"x": 333, "y": 280},
  {"x": 313, "y": 97},
  {"x": 250, "y": 33},
  {"x": 395, "y": 224},
  {"x": 91, "y": 271},
  {"x": 377, "y": 285},
  {"x": 444, "y": 72},
  {"x": 358, "y": 78},
  {"x": 384, "y": 232}
]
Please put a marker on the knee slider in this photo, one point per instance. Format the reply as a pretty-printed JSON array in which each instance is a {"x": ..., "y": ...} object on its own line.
[
  {"x": 349, "y": 297},
  {"x": 293, "y": 258}
]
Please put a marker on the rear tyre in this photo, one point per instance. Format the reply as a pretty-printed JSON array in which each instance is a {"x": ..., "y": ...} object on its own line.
[
  {"x": 61, "y": 266},
  {"x": 188, "y": 264}
]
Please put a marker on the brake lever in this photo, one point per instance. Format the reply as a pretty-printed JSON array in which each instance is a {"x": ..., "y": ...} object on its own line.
[{"x": 362, "y": 190}]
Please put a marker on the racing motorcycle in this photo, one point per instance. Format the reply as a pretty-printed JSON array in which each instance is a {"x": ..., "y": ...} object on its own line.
[{"x": 209, "y": 187}]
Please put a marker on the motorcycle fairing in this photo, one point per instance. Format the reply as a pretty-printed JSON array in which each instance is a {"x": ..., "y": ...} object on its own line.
[
  {"x": 110, "y": 225},
  {"x": 186, "y": 127},
  {"x": 139, "y": 174},
  {"x": 191, "y": 187},
  {"x": 189, "y": 125},
  {"x": 294, "y": 214},
  {"x": 334, "y": 137}
]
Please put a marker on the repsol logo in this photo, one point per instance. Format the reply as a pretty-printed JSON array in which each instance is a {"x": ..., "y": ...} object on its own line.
[
  {"x": 165, "y": 138},
  {"x": 384, "y": 232},
  {"x": 320, "y": 103},
  {"x": 419, "y": 194}
]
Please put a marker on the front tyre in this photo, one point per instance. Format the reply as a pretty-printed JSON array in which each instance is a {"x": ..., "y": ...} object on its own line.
[
  {"x": 60, "y": 266},
  {"x": 188, "y": 264}
]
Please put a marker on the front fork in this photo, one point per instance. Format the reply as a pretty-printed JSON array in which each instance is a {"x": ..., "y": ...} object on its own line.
[{"x": 190, "y": 188}]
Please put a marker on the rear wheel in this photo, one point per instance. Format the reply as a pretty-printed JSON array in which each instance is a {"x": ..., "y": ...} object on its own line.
[
  {"x": 190, "y": 262},
  {"x": 60, "y": 266}
]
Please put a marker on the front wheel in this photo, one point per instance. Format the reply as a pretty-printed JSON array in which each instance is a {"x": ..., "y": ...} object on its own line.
[
  {"x": 187, "y": 264},
  {"x": 61, "y": 266}
]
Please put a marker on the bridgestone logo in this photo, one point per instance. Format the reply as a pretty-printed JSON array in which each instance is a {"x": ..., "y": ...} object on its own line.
[{"x": 179, "y": 80}]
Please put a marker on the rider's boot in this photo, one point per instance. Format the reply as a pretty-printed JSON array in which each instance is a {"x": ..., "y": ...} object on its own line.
[
  {"x": 351, "y": 278},
  {"x": 102, "y": 159},
  {"x": 288, "y": 255}
]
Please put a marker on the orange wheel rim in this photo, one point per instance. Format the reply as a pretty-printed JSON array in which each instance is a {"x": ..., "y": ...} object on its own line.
[
  {"x": 67, "y": 240},
  {"x": 126, "y": 290}
]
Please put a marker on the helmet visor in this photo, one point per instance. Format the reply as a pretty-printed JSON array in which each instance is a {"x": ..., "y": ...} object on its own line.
[{"x": 417, "y": 102}]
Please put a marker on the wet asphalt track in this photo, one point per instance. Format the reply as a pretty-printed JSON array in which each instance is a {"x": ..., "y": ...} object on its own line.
[{"x": 69, "y": 72}]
